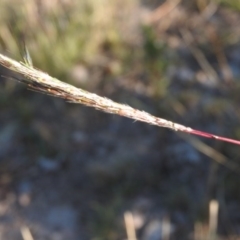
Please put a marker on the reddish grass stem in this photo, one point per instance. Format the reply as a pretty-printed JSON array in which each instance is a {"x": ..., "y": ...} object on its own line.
[{"x": 42, "y": 82}]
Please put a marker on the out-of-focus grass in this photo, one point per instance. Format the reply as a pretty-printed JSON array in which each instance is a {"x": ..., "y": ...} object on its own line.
[
  {"x": 234, "y": 4},
  {"x": 105, "y": 224},
  {"x": 60, "y": 34},
  {"x": 86, "y": 36},
  {"x": 156, "y": 61}
]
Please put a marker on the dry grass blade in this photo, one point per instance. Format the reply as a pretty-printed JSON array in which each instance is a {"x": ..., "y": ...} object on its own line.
[{"x": 40, "y": 81}]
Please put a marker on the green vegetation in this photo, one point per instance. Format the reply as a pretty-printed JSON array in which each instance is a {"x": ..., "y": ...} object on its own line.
[
  {"x": 60, "y": 35},
  {"x": 234, "y": 4}
]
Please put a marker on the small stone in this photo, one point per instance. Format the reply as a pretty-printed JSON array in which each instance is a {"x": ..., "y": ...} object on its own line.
[{"x": 48, "y": 165}]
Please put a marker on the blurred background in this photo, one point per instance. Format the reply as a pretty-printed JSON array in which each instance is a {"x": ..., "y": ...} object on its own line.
[{"x": 71, "y": 172}]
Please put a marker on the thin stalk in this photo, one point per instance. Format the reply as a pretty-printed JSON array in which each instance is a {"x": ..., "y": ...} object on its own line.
[{"x": 42, "y": 82}]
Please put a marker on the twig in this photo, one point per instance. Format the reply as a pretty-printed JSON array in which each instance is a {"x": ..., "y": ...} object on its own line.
[
  {"x": 213, "y": 218},
  {"x": 130, "y": 228},
  {"x": 26, "y": 234},
  {"x": 162, "y": 11},
  {"x": 166, "y": 228},
  {"x": 199, "y": 56},
  {"x": 42, "y": 82},
  {"x": 219, "y": 52}
]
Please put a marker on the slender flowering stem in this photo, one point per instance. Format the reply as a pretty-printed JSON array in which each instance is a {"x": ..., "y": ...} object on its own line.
[{"x": 42, "y": 82}]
